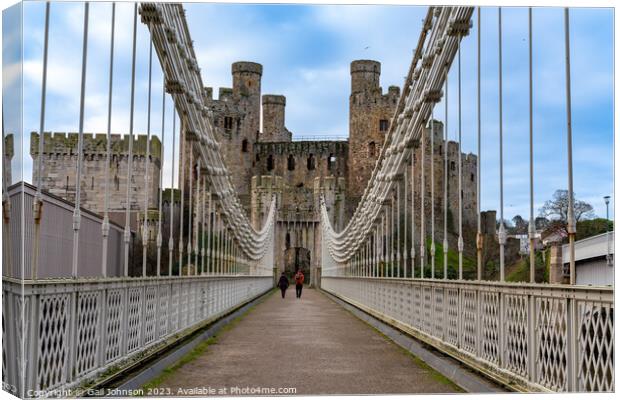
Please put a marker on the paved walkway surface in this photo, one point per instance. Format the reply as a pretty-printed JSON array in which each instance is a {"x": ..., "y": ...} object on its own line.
[{"x": 311, "y": 344}]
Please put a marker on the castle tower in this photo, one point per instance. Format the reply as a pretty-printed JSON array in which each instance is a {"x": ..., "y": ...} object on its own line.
[
  {"x": 365, "y": 75},
  {"x": 370, "y": 112},
  {"x": 236, "y": 116},
  {"x": 273, "y": 119},
  {"x": 246, "y": 90}
]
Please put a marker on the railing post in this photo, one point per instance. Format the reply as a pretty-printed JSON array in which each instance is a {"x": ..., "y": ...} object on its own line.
[
  {"x": 102, "y": 334},
  {"x": 72, "y": 339},
  {"x": 124, "y": 345},
  {"x": 502, "y": 331},
  {"x": 31, "y": 343},
  {"x": 572, "y": 334},
  {"x": 531, "y": 343},
  {"x": 10, "y": 334},
  {"x": 478, "y": 323}
]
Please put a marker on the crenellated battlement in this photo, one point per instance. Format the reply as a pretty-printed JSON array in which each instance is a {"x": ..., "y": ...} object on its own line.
[
  {"x": 63, "y": 143},
  {"x": 303, "y": 148}
]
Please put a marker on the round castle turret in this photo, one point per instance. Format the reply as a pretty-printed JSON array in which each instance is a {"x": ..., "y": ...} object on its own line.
[
  {"x": 246, "y": 78},
  {"x": 365, "y": 75},
  {"x": 273, "y": 118}
]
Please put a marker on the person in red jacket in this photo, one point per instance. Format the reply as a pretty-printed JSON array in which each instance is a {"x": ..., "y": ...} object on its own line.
[{"x": 299, "y": 283}]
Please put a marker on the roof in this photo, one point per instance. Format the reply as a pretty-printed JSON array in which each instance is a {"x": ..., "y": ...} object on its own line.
[{"x": 591, "y": 247}]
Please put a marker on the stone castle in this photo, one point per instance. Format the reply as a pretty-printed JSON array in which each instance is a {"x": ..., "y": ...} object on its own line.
[{"x": 266, "y": 162}]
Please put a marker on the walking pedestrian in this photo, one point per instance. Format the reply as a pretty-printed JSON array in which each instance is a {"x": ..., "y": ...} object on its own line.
[
  {"x": 299, "y": 283},
  {"x": 283, "y": 284}
]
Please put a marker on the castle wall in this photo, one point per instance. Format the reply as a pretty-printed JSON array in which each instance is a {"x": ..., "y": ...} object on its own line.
[
  {"x": 59, "y": 169},
  {"x": 316, "y": 155}
]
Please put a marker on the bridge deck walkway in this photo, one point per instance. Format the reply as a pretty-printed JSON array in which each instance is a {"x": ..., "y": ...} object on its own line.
[{"x": 311, "y": 344}]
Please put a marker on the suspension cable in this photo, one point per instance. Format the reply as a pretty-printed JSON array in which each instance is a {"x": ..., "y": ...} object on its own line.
[
  {"x": 145, "y": 236},
  {"x": 182, "y": 144},
  {"x": 460, "y": 194},
  {"x": 38, "y": 203},
  {"x": 571, "y": 228},
  {"x": 190, "y": 225},
  {"x": 161, "y": 177},
  {"x": 203, "y": 203},
  {"x": 209, "y": 235},
  {"x": 479, "y": 238},
  {"x": 78, "y": 174},
  {"x": 405, "y": 226},
  {"x": 171, "y": 206},
  {"x": 197, "y": 222},
  {"x": 398, "y": 229},
  {"x": 502, "y": 231},
  {"x": 422, "y": 206},
  {"x": 392, "y": 252},
  {"x": 105, "y": 226},
  {"x": 412, "y": 213},
  {"x": 532, "y": 227},
  {"x": 432, "y": 191},
  {"x": 445, "y": 184},
  {"x": 127, "y": 232}
]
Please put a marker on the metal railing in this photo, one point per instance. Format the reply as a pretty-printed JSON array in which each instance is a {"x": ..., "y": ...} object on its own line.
[
  {"x": 69, "y": 331},
  {"x": 320, "y": 138},
  {"x": 530, "y": 337}
]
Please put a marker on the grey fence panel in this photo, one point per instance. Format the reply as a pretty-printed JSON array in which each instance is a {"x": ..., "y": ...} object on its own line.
[{"x": 533, "y": 336}]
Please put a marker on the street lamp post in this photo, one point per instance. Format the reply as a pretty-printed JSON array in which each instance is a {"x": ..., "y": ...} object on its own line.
[{"x": 609, "y": 263}]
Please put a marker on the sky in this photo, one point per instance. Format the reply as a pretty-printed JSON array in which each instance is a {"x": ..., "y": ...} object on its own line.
[{"x": 306, "y": 51}]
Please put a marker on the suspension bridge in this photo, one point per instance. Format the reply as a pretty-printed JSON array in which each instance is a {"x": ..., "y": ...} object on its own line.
[{"x": 84, "y": 297}]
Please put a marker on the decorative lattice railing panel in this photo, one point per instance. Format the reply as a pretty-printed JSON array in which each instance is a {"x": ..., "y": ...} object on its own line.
[
  {"x": 163, "y": 311},
  {"x": 82, "y": 328},
  {"x": 490, "y": 326},
  {"x": 521, "y": 334},
  {"x": 452, "y": 312},
  {"x": 516, "y": 333},
  {"x": 114, "y": 323},
  {"x": 438, "y": 312},
  {"x": 552, "y": 350},
  {"x": 88, "y": 328},
  {"x": 150, "y": 313},
  {"x": 596, "y": 346},
  {"x": 53, "y": 338},
  {"x": 134, "y": 318}
]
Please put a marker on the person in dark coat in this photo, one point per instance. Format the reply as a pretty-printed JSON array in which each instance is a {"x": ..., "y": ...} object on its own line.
[{"x": 283, "y": 284}]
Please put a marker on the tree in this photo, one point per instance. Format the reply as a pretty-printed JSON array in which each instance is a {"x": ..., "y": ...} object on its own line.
[
  {"x": 520, "y": 224},
  {"x": 541, "y": 222},
  {"x": 556, "y": 209},
  {"x": 593, "y": 227}
]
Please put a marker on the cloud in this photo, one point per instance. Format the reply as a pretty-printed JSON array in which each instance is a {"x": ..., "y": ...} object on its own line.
[{"x": 306, "y": 51}]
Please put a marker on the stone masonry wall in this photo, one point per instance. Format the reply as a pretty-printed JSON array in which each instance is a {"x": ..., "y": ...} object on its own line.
[
  {"x": 59, "y": 169},
  {"x": 299, "y": 163}
]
